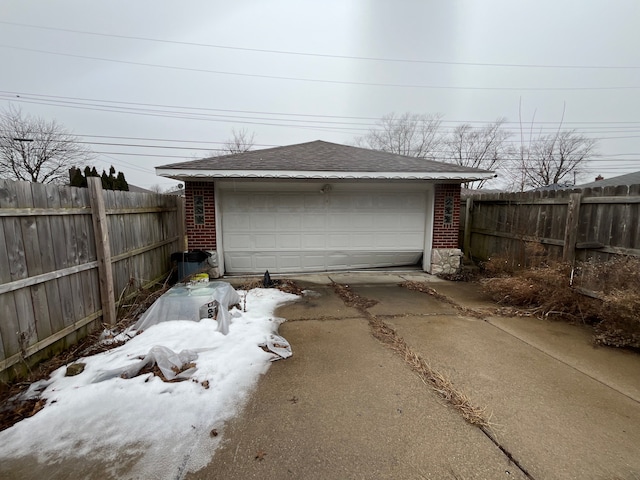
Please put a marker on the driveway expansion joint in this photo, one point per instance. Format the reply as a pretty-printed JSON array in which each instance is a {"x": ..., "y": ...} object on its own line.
[{"x": 438, "y": 382}]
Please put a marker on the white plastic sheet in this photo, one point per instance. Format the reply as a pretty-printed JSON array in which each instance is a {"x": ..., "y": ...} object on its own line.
[
  {"x": 170, "y": 363},
  {"x": 278, "y": 345},
  {"x": 183, "y": 302}
]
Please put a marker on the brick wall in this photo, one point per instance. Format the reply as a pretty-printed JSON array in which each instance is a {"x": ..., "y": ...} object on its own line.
[
  {"x": 446, "y": 216},
  {"x": 200, "y": 237}
]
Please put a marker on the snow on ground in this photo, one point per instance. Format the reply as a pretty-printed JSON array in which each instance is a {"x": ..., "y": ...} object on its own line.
[{"x": 168, "y": 424}]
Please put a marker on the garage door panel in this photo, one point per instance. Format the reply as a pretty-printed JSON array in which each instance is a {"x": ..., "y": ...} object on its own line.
[
  {"x": 314, "y": 221},
  {"x": 390, "y": 221},
  {"x": 289, "y": 221},
  {"x": 290, "y": 203},
  {"x": 265, "y": 221},
  {"x": 338, "y": 241},
  {"x": 365, "y": 221},
  {"x": 265, "y": 261},
  {"x": 313, "y": 262},
  {"x": 263, "y": 241},
  {"x": 389, "y": 241},
  {"x": 361, "y": 240},
  {"x": 239, "y": 242},
  {"x": 293, "y": 231},
  {"x": 314, "y": 202},
  {"x": 340, "y": 202},
  {"x": 238, "y": 222},
  {"x": 289, "y": 241},
  {"x": 340, "y": 221},
  {"x": 241, "y": 262},
  {"x": 313, "y": 241},
  {"x": 263, "y": 201}
]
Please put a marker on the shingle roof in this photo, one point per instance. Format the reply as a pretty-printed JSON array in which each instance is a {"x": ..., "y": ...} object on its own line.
[
  {"x": 628, "y": 179},
  {"x": 321, "y": 156}
]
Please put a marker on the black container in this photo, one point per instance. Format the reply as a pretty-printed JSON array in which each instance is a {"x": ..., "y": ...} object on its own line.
[{"x": 190, "y": 262}]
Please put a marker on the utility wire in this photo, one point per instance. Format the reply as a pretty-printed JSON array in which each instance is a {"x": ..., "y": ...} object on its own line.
[
  {"x": 14, "y": 95},
  {"x": 317, "y": 80},
  {"x": 322, "y": 55}
]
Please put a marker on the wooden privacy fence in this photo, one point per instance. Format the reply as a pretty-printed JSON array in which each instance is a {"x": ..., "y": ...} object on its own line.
[
  {"x": 67, "y": 257},
  {"x": 590, "y": 224}
]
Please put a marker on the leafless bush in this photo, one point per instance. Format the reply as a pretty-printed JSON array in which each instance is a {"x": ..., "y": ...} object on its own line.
[{"x": 545, "y": 290}]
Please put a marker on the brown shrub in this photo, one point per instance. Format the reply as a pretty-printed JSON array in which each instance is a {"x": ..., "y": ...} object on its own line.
[
  {"x": 545, "y": 290},
  {"x": 620, "y": 325},
  {"x": 618, "y": 274}
]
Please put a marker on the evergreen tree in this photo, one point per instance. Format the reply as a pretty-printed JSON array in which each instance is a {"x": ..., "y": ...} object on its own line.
[
  {"x": 106, "y": 181},
  {"x": 76, "y": 178},
  {"x": 121, "y": 182}
]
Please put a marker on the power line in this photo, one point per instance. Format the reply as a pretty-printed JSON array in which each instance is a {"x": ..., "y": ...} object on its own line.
[
  {"x": 14, "y": 95},
  {"x": 324, "y": 55},
  {"x": 317, "y": 80},
  {"x": 312, "y": 126}
]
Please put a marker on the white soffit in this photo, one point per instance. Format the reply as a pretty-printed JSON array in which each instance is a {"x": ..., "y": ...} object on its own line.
[{"x": 180, "y": 174}]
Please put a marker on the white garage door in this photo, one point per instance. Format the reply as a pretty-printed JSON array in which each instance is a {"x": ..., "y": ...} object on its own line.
[{"x": 312, "y": 231}]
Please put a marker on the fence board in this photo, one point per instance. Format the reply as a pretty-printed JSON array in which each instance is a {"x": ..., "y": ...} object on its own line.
[
  {"x": 8, "y": 315},
  {"x": 49, "y": 282},
  {"x": 634, "y": 215},
  {"x": 605, "y": 223}
]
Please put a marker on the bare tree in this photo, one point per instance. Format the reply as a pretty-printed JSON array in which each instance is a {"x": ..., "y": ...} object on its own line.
[
  {"x": 37, "y": 150},
  {"x": 241, "y": 141},
  {"x": 557, "y": 159},
  {"x": 409, "y": 134},
  {"x": 485, "y": 147}
]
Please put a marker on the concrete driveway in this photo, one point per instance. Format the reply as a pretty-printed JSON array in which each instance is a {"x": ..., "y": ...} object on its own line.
[{"x": 347, "y": 407}]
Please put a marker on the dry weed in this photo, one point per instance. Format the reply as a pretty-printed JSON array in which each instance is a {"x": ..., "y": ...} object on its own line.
[
  {"x": 425, "y": 288},
  {"x": 620, "y": 325},
  {"x": 436, "y": 380},
  {"x": 431, "y": 377},
  {"x": 546, "y": 290}
]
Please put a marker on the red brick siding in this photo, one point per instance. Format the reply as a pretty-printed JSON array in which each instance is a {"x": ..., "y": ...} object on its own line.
[
  {"x": 446, "y": 236},
  {"x": 200, "y": 237}
]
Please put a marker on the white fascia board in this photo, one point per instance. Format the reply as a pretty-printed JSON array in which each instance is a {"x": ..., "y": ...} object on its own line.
[{"x": 182, "y": 174}]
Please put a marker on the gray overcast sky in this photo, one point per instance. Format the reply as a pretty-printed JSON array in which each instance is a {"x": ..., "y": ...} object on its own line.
[{"x": 176, "y": 72}]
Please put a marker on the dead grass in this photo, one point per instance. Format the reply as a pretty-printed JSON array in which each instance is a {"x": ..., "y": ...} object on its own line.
[
  {"x": 425, "y": 288},
  {"x": 613, "y": 307},
  {"x": 438, "y": 382},
  {"x": 352, "y": 299},
  {"x": 620, "y": 325},
  {"x": 431, "y": 377},
  {"x": 543, "y": 291}
]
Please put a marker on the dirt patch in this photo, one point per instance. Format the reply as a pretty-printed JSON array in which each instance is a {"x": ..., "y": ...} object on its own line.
[
  {"x": 431, "y": 377},
  {"x": 284, "y": 285}
]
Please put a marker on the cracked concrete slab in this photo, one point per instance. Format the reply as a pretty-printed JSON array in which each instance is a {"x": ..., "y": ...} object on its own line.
[
  {"x": 555, "y": 420},
  {"x": 403, "y": 301},
  {"x": 344, "y": 406}
]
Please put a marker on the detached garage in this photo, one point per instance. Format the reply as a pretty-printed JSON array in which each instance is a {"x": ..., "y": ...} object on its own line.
[{"x": 321, "y": 206}]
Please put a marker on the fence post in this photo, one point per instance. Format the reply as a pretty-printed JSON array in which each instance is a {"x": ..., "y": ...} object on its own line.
[
  {"x": 571, "y": 228},
  {"x": 103, "y": 249},
  {"x": 468, "y": 220}
]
